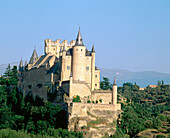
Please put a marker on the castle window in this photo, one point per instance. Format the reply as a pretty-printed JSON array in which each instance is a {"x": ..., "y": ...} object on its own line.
[
  {"x": 68, "y": 67},
  {"x": 81, "y": 49},
  {"x": 87, "y": 68},
  {"x": 96, "y": 85},
  {"x": 96, "y": 76},
  {"x": 39, "y": 85},
  {"x": 76, "y": 49}
]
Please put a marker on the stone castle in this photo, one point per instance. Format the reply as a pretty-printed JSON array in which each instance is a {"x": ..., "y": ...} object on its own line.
[{"x": 65, "y": 71}]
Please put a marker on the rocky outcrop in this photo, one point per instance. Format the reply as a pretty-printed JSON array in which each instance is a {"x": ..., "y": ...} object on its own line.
[{"x": 93, "y": 119}]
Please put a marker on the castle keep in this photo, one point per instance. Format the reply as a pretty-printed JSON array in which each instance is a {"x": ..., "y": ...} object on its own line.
[{"x": 65, "y": 71}]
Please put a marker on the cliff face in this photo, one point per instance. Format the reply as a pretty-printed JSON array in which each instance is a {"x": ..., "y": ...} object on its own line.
[{"x": 93, "y": 119}]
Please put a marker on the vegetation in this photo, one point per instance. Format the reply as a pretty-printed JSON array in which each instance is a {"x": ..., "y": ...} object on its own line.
[
  {"x": 51, "y": 133},
  {"x": 105, "y": 84},
  {"x": 143, "y": 109},
  {"x": 77, "y": 99},
  {"x": 27, "y": 117},
  {"x": 31, "y": 117}
]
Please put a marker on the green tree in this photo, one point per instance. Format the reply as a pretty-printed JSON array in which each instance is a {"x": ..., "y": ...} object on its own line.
[
  {"x": 105, "y": 84},
  {"x": 157, "y": 123},
  {"x": 148, "y": 124},
  {"x": 135, "y": 87}
]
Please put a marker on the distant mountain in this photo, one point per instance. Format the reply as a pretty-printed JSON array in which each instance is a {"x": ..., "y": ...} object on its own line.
[{"x": 142, "y": 79}]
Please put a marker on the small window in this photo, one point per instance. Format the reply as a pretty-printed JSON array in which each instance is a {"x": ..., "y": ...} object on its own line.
[
  {"x": 68, "y": 67},
  {"x": 95, "y": 84},
  {"x": 96, "y": 76},
  {"x": 81, "y": 49},
  {"x": 87, "y": 68},
  {"x": 76, "y": 49}
]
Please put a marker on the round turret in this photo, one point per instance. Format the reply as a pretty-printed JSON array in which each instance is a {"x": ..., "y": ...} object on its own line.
[
  {"x": 114, "y": 92},
  {"x": 79, "y": 51}
]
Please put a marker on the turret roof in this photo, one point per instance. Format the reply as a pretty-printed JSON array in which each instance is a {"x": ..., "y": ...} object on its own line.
[
  {"x": 79, "y": 40},
  {"x": 93, "y": 49},
  {"x": 114, "y": 82},
  {"x": 21, "y": 64},
  {"x": 34, "y": 57}
]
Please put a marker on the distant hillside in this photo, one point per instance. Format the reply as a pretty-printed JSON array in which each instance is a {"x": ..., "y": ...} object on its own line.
[{"x": 142, "y": 79}]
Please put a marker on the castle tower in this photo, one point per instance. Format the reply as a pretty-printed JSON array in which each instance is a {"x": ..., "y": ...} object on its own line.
[
  {"x": 92, "y": 68},
  {"x": 114, "y": 95},
  {"x": 34, "y": 57},
  {"x": 78, "y": 67}
]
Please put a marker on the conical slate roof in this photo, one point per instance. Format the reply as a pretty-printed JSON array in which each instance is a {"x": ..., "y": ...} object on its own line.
[
  {"x": 34, "y": 57},
  {"x": 79, "y": 40},
  {"x": 114, "y": 82},
  {"x": 25, "y": 63},
  {"x": 21, "y": 64},
  {"x": 93, "y": 49}
]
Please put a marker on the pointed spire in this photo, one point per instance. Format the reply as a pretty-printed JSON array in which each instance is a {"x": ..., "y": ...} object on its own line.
[
  {"x": 21, "y": 64},
  {"x": 34, "y": 57},
  {"x": 25, "y": 63},
  {"x": 93, "y": 49},
  {"x": 79, "y": 40},
  {"x": 114, "y": 81}
]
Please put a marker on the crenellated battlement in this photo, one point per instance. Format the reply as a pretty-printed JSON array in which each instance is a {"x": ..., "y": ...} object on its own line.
[{"x": 54, "y": 47}]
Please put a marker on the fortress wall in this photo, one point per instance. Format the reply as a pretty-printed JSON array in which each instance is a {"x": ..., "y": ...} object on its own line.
[
  {"x": 36, "y": 81},
  {"x": 80, "y": 88},
  {"x": 80, "y": 109},
  {"x": 106, "y": 97},
  {"x": 87, "y": 64},
  {"x": 47, "y": 78},
  {"x": 118, "y": 106},
  {"x": 41, "y": 92},
  {"x": 66, "y": 67},
  {"x": 65, "y": 86},
  {"x": 53, "y": 47},
  {"x": 97, "y": 79}
]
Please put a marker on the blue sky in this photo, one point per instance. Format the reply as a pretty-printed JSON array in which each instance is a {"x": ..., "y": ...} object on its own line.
[{"x": 127, "y": 34}]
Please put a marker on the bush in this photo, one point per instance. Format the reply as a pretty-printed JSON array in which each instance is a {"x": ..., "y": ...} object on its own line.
[
  {"x": 148, "y": 124},
  {"x": 88, "y": 101},
  {"x": 77, "y": 99},
  {"x": 160, "y": 136},
  {"x": 157, "y": 123},
  {"x": 100, "y": 100}
]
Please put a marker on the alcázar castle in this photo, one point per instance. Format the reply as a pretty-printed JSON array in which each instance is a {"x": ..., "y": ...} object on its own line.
[{"x": 68, "y": 70}]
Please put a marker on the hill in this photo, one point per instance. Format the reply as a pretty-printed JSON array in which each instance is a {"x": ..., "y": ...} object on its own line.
[{"x": 142, "y": 79}]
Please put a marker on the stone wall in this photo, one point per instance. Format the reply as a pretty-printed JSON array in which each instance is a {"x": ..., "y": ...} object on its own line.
[
  {"x": 36, "y": 82},
  {"x": 80, "y": 88},
  {"x": 94, "y": 119},
  {"x": 106, "y": 96}
]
